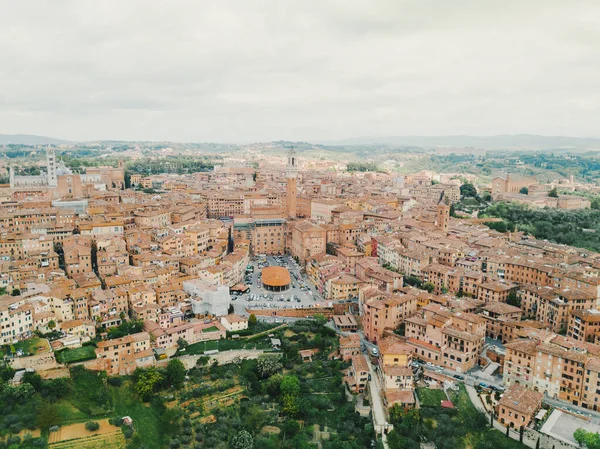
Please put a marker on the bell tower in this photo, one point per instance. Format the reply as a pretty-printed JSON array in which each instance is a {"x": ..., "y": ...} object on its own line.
[
  {"x": 51, "y": 167},
  {"x": 443, "y": 217},
  {"x": 291, "y": 173}
]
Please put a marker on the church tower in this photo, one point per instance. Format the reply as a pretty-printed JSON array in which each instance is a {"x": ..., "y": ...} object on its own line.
[
  {"x": 443, "y": 217},
  {"x": 291, "y": 174},
  {"x": 51, "y": 167}
]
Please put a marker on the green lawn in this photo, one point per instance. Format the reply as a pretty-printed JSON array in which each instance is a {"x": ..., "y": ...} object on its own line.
[
  {"x": 145, "y": 420},
  {"x": 31, "y": 346},
  {"x": 68, "y": 413},
  {"x": 76, "y": 355},
  {"x": 226, "y": 345},
  {"x": 430, "y": 398},
  {"x": 211, "y": 329}
]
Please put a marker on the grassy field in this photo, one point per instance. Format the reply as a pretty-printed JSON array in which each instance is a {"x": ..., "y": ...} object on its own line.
[
  {"x": 76, "y": 355},
  {"x": 430, "y": 398},
  {"x": 68, "y": 413},
  {"x": 226, "y": 345},
  {"x": 211, "y": 329},
  {"x": 31, "y": 346},
  {"x": 145, "y": 420}
]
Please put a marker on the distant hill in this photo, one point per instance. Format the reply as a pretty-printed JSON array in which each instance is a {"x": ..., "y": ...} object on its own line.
[
  {"x": 503, "y": 141},
  {"x": 26, "y": 139}
]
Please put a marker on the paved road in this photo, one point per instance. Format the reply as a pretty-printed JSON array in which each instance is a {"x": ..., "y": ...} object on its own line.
[
  {"x": 379, "y": 411},
  {"x": 593, "y": 416}
]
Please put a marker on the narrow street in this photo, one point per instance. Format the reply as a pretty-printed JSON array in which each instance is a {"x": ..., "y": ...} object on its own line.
[{"x": 377, "y": 407}]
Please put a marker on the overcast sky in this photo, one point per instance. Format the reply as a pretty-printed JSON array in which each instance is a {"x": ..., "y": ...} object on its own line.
[{"x": 253, "y": 70}]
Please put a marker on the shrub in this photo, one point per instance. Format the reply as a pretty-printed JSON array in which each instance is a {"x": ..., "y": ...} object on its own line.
[
  {"x": 115, "y": 381},
  {"x": 128, "y": 433},
  {"x": 92, "y": 426},
  {"x": 15, "y": 439}
]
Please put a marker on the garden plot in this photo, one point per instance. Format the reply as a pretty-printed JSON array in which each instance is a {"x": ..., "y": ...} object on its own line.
[{"x": 79, "y": 436}]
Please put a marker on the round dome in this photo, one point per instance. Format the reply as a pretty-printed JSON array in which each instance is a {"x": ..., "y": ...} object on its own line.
[{"x": 276, "y": 278}]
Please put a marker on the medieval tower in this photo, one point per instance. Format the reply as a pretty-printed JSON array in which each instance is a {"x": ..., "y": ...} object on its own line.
[{"x": 291, "y": 174}]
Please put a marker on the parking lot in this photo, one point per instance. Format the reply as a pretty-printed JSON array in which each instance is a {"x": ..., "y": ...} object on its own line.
[{"x": 300, "y": 294}]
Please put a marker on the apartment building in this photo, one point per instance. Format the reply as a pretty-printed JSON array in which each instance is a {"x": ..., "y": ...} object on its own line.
[
  {"x": 386, "y": 312},
  {"x": 495, "y": 291},
  {"x": 518, "y": 406},
  {"x": 194, "y": 332},
  {"x": 321, "y": 268},
  {"x": 557, "y": 366},
  {"x": 225, "y": 204},
  {"x": 152, "y": 218},
  {"x": 342, "y": 287},
  {"x": 122, "y": 356},
  {"x": 446, "y": 338},
  {"x": 552, "y": 306},
  {"x": 78, "y": 254},
  {"x": 584, "y": 325},
  {"x": 497, "y": 314},
  {"x": 16, "y": 319},
  {"x": 266, "y": 234},
  {"x": 308, "y": 240},
  {"x": 349, "y": 346},
  {"x": 408, "y": 262},
  {"x": 234, "y": 323},
  {"x": 357, "y": 375},
  {"x": 370, "y": 271}
]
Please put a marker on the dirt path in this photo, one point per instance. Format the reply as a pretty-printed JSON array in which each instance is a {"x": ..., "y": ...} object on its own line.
[{"x": 267, "y": 332}]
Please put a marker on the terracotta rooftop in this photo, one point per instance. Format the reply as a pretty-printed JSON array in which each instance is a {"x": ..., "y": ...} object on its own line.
[{"x": 522, "y": 399}]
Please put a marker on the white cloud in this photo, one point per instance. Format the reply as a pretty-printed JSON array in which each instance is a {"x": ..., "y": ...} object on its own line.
[{"x": 281, "y": 69}]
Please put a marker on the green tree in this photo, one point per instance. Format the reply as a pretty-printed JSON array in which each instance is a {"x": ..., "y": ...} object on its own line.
[
  {"x": 254, "y": 418},
  {"x": 291, "y": 427},
  {"x": 595, "y": 203},
  {"x": 252, "y": 320},
  {"x": 591, "y": 440},
  {"x": 47, "y": 415},
  {"x": 182, "y": 343},
  {"x": 524, "y": 191},
  {"x": 428, "y": 286},
  {"x": 273, "y": 384},
  {"x": 92, "y": 426},
  {"x": 242, "y": 440},
  {"x": 320, "y": 319},
  {"x": 553, "y": 193},
  {"x": 468, "y": 190},
  {"x": 268, "y": 365},
  {"x": 6, "y": 372},
  {"x": 290, "y": 405},
  {"x": 513, "y": 299},
  {"x": 147, "y": 382},
  {"x": 290, "y": 385},
  {"x": 51, "y": 324},
  {"x": 175, "y": 373}
]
